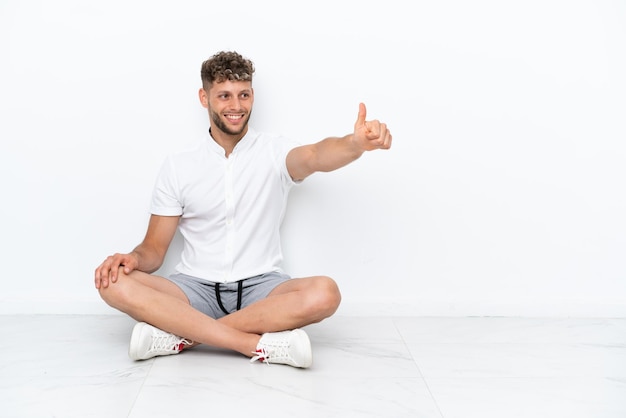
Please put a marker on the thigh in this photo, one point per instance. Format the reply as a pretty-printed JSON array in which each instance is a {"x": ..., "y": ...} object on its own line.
[
  {"x": 260, "y": 287},
  {"x": 311, "y": 283},
  {"x": 158, "y": 283}
]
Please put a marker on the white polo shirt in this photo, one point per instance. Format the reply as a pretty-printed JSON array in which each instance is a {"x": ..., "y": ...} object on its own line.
[{"x": 231, "y": 208}]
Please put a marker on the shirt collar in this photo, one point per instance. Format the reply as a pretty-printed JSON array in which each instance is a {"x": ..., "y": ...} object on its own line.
[{"x": 244, "y": 143}]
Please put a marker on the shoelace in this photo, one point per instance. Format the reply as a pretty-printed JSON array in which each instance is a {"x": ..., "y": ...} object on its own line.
[
  {"x": 164, "y": 341},
  {"x": 275, "y": 354},
  {"x": 260, "y": 355}
]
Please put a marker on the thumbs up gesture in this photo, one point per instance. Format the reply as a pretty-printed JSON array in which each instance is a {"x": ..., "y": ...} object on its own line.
[{"x": 370, "y": 135}]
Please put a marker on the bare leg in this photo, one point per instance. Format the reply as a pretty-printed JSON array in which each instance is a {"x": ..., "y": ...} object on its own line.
[
  {"x": 161, "y": 303},
  {"x": 290, "y": 305}
]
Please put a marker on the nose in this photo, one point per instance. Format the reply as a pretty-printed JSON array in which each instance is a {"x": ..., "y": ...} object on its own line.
[{"x": 234, "y": 103}]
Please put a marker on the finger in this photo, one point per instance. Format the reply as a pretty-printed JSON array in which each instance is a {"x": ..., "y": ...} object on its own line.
[
  {"x": 115, "y": 268},
  {"x": 97, "y": 278},
  {"x": 384, "y": 134},
  {"x": 360, "y": 120},
  {"x": 373, "y": 129},
  {"x": 127, "y": 264},
  {"x": 101, "y": 279},
  {"x": 115, "y": 272},
  {"x": 108, "y": 270},
  {"x": 388, "y": 139},
  {"x": 101, "y": 276}
]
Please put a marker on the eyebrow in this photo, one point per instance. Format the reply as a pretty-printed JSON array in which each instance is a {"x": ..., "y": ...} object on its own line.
[{"x": 230, "y": 92}]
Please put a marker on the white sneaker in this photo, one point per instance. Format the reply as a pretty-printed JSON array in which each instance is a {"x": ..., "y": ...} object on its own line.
[
  {"x": 286, "y": 347},
  {"x": 148, "y": 341}
]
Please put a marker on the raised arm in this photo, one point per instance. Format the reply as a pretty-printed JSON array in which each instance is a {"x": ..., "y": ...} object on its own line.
[
  {"x": 335, "y": 152},
  {"x": 147, "y": 256}
]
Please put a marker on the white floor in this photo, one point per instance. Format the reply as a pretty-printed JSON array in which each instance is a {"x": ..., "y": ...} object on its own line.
[{"x": 77, "y": 366}]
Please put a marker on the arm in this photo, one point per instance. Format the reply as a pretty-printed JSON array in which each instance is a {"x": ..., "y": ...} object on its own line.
[
  {"x": 332, "y": 153},
  {"x": 147, "y": 256}
]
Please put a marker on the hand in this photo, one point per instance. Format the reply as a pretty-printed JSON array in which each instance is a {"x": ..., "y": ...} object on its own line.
[
  {"x": 370, "y": 135},
  {"x": 107, "y": 272}
]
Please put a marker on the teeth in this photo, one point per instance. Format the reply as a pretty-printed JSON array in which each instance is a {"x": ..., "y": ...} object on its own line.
[{"x": 234, "y": 117}]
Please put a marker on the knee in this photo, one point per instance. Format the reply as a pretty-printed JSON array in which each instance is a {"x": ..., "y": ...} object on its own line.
[
  {"x": 116, "y": 294},
  {"x": 327, "y": 297}
]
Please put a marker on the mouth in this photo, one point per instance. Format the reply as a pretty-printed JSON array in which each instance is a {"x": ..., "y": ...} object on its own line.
[{"x": 234, "y": 118}]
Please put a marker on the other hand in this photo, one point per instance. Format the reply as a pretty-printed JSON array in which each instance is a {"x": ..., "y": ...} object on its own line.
[{"x": 107, "y": 272}]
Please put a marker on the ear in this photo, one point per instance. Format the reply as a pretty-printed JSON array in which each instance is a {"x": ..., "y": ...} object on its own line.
[{"x": 204, "y": 98}]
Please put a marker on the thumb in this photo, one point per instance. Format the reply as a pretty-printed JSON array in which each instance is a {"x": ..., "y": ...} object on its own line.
[{"x": 360, "y": 120}]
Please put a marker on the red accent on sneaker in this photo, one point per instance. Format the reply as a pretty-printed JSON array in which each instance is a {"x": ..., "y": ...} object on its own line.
[{"x": 261, "y": 359}]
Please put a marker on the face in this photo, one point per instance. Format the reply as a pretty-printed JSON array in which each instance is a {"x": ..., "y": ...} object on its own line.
[{"x": 229, "y": 104}]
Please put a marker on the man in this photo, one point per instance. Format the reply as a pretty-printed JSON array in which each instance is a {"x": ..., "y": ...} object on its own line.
[{"x": 227, "y": 195}]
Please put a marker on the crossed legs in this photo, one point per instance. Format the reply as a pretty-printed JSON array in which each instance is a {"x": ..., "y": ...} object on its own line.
[{"x": 159, "y": 302}]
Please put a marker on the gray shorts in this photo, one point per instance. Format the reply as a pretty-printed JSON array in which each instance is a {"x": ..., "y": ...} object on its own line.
[{"x": 219, "y": 299}]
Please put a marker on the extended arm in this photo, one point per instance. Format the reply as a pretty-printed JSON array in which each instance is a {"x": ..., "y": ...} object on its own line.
[
  {"x": 147, "y": 256},
  {"x": 335, "y": 152}
]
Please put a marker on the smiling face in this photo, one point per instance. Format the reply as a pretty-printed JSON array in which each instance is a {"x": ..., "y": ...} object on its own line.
[{"x": 229, "y": 104}]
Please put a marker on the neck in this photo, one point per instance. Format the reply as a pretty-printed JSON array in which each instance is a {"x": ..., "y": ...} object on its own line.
[{"x": 226, "y": 140}]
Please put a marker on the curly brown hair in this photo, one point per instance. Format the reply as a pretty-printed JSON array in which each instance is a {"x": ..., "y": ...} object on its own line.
[{"x": 226, "y": 65}]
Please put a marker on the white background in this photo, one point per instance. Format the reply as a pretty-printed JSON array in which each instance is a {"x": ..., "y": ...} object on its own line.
[{"x": 503, "y": 194}]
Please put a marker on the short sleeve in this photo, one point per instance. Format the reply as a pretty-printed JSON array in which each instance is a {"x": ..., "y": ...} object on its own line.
[
  {"x": 166, "y": 199},
  {"x": 282, "y": 147}
]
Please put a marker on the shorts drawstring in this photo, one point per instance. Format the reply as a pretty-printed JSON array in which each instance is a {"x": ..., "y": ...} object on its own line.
[{"x": 219, "y": 298}]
